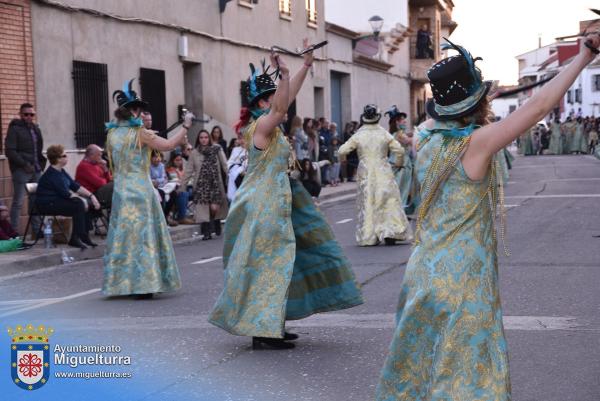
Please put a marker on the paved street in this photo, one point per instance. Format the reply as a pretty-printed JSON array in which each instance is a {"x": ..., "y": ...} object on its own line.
[{"x": 549, "y": 289}]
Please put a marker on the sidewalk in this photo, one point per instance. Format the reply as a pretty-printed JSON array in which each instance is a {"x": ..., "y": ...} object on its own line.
[{"x": 38, "y": 257}]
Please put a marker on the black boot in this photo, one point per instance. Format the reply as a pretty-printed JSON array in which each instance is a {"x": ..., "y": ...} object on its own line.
[
  {"x": 86, "y": 240},
  {"x": 205, "y": 230},
  {"x": 143, "y": 296},
  {"x": 390, "y": 241},
  {"x": 217, "y": 227},
  {"x": 290, "y": 336},
  {"x": 270, "y": 343},
  {"x": 76, "y": 242}
]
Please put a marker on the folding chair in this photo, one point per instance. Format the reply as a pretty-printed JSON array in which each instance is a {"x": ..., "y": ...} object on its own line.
[{"x": 31, "y": 188}]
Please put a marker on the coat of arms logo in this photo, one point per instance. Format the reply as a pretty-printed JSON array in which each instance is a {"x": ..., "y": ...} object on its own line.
[{"x": 30, "y": 356}]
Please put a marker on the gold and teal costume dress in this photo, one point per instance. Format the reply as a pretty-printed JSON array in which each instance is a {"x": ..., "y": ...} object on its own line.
[
  {"x": 403, "y": 174},
  {"x": 139, "y": 256},
  {"x": 380, "y": 209},
  {"x": 555, "y": 147},
  {"x": 281, "y": 259},
  {"x": 528, "y": 145},
  {"x": 449, "y": 340},
  {"x": 569, "y": 145},
  {"x": 580, "y": 143},
  {"x": 502, "y": 160}
]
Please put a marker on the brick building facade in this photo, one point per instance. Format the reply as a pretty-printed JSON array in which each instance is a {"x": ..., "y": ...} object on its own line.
[{"x": 16, "y": 75}]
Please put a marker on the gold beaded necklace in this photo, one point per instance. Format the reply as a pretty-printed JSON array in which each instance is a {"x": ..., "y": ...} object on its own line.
[{"x": 443, "y": 162}]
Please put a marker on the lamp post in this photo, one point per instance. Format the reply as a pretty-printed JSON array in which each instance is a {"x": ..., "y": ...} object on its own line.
[{"x": 376, "y": 23}]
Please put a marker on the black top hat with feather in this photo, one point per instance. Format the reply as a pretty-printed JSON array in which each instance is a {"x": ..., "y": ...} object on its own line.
[
  {"x": 127, "y": 97},
  {"x": 258, "y": 86},
  {"x": 457, "y": 85},
  {"x": 393, "y": 113}
]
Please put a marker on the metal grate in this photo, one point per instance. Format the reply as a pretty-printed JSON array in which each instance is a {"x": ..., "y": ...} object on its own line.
[
  {"x": 152, "y": 83},
  {"x": 91, "y": 102}
]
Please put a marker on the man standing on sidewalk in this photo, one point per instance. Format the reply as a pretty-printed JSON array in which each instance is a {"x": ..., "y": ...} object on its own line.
[{"x": 24, "y": 144}]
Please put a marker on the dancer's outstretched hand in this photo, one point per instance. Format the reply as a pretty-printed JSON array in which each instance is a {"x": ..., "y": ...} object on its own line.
[
  {"x": 277, "y": 62},
  {"x": 308, "y": 57},
  {"x": 593, "y": 40}
]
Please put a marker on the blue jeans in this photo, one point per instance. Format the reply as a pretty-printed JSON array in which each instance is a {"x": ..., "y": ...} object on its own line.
[
  {"x": 182, "y": 202},
  {"x": 19, "y": 179}
]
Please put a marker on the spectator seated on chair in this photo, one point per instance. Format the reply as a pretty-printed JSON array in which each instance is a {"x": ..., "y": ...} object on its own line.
[
  {"x": 6, "y": 230},
  {"x": 159, "y": 178},
  {"x": 93, "y": 174},
  {"x": 57, "y": 194},
  {"x": 9, "y": 238},
  {"x": 175, "y": 174}
]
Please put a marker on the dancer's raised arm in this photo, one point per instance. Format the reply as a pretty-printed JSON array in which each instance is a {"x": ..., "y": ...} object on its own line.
[
  {"x": 488, "y": 140},
  {"x": 298, "y": 79},
  {"x": 278, "y": 105}
]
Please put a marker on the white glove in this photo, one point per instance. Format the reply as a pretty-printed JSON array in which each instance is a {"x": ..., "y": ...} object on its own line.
[{"x": 187, "y": 118}]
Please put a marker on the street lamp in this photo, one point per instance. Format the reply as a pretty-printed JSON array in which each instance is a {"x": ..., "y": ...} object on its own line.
[{"x": 376, "y": 23}]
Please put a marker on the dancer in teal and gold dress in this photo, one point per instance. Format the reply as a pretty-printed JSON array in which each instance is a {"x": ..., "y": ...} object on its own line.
[
  {"x": 139, "y": 258},
  {"x": 568, "y": 130},
  {"x": 555, "y": 147},
  {"x": 404, "y": 173},
  {"x": 580, "y": 143},
  {"x": 281, "y": 259},
  {"x": 449, "y": 340}
]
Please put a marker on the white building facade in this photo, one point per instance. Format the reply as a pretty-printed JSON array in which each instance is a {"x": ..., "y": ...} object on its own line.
[{"x": 196, "y": 55}]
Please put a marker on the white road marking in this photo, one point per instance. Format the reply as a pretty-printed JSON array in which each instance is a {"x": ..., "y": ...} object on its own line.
[
  {"x": 548, "y": 165},
  {"x": 559, "y": 180},
  {"x": 203, "y": 261},
  {"x": 40, "y": 303},
  {"x": 553, "y": 196},
  {"x": 572, "y": 179},
  {"x": 512, "y": 205},
  {"x": 343, "y": 221},
  {"x": 339, "y": 198},
  {"x": 325, "y": 320}
]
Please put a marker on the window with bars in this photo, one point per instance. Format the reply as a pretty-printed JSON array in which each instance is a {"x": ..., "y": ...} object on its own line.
[
  {"x": 578, "y": 95},
  {"x": 570, "y": 96},
  {"x": 285, "y": 7},
  {"x": 152, "y": 85},
  {"x": 311, "y": 11},
  {"x": 596, "y": 83},
  {"x": 91, "y": 102}
]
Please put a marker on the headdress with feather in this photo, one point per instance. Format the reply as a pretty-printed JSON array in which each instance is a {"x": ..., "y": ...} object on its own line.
[
  {"x": 258, "y": 85},
  {"x": 127, "y": 97}
]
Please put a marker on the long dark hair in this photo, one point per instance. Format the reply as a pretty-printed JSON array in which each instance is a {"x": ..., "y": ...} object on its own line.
[
  {"x": 123, "y": 114},
  {"x": 172, "y": 157},
  {"x": 212, "y": 131},
  {"x": 482, "y": 115},
  {"x": 393, "y": 125},
  {"x": 198, "y": 145}
]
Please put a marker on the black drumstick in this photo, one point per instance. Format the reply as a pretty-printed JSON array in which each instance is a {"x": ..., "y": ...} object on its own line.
[{"x": 310, "y": 48}]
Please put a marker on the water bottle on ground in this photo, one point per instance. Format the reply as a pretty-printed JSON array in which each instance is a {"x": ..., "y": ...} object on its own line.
[
  {"x": 66, "y": 259},
  {"x": 48, "y": 235}
]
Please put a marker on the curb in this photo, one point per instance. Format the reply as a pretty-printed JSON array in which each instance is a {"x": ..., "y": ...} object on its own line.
[{"x": 22, "y": 262}]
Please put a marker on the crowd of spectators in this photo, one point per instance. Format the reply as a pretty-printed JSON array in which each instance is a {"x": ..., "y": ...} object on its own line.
[
  {"x": 316, "y": 144},
  {"x": 195, "y": 184}
]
